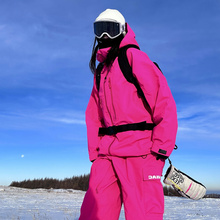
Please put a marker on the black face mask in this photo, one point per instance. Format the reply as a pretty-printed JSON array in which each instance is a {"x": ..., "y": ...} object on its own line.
[{"x": 108, "y": 42}]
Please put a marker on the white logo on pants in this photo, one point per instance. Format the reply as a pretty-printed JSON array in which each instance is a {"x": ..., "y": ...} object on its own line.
[{"x": 154, "y": 177}]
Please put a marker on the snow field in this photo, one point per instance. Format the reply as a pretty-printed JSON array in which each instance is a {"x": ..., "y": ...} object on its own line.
[{"x": 43, "y": 204}]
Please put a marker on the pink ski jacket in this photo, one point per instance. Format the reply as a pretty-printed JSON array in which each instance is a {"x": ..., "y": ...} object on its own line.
[{"x": 117, "y": 103}]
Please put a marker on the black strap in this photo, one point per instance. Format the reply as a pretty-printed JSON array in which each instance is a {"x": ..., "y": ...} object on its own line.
[
  {"x": 175, "y": 148},
  {"x": 124, "y": 63},
  {"x": 141, "y": 126},
  {"x": 158, "y": 67},
  {"x": 127, "y": 70}
]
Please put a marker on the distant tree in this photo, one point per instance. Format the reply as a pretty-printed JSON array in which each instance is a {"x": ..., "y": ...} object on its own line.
[
  {"x": 212, "y": 195},
  {"x": 76, "y": 182},
  {"x": 165, "y": 190},
  {"x": 170, "y": 191},
  {"x": 80, "y": 183}
]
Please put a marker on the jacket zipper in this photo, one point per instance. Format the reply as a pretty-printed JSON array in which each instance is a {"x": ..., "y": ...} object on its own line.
[
  {"x": 109, "y": 114},
  {"x": 109, "y": 83},
  {"x": 106, "y": 101}
]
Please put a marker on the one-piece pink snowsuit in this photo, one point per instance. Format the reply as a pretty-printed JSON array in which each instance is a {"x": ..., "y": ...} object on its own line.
[{"x": 125, "y": 169}]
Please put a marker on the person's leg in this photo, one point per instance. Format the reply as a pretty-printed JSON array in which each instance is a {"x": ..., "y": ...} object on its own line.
[
  {"x": 141, "y": 187},
  {"x": 103, "y": 198}
]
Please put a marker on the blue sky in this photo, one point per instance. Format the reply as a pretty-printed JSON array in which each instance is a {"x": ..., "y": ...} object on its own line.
[{"x": 45, "y": 81}]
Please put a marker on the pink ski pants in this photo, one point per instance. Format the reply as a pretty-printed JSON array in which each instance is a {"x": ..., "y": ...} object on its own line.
[{"x": 133, "y": 181}]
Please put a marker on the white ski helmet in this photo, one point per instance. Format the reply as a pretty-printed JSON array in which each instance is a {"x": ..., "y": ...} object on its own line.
[{"x": 110, "y": 22}]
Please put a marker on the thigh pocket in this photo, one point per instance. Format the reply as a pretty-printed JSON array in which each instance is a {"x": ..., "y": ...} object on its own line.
[
  {"x": 153, "y": 189},
  {"x": 151, "y": 173},
  {"x": 153, "y": 168}
]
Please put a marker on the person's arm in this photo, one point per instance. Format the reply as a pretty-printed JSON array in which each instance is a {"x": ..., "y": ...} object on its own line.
[
  {"x": 93, "y": 122},
  {"x": 162, "y": 105}
]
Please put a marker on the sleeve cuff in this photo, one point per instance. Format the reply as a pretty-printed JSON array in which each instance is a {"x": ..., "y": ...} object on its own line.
[{"x": 160, "y": 151}]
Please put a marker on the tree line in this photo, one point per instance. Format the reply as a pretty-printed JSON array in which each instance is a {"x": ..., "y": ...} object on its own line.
[
  {"x": 76, "y": 182},
  {"x": 170, "y": 191},
  {"x": 80, "y": 183}
]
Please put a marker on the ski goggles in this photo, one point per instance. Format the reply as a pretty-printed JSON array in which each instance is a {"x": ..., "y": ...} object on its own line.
[{"x": 111, "y": 29}]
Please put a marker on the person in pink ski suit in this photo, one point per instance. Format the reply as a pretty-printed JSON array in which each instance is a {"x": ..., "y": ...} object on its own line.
[{"x": 127, "y": 166}]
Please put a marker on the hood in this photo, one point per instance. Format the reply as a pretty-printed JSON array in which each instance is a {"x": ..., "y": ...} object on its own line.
[{"x": 128, "y": 39}]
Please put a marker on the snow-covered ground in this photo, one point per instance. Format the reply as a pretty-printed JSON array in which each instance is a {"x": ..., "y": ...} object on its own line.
[{"x": 25, "y": 204}]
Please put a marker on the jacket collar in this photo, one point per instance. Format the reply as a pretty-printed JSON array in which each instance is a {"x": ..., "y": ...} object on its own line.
[{"x": 128, "y": 39}]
